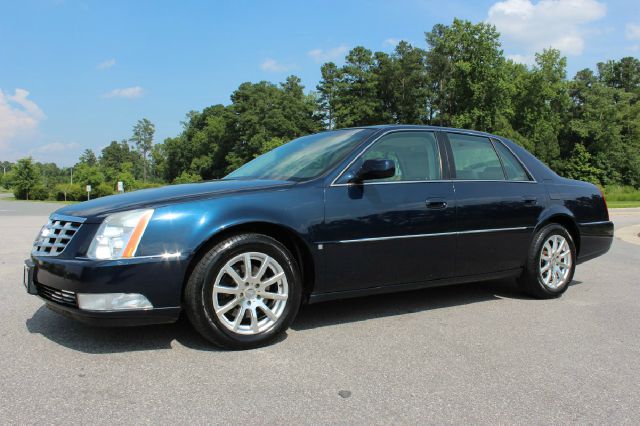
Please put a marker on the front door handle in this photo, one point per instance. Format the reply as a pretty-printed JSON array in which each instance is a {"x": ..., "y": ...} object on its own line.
[{"x": 436, "y": 204}]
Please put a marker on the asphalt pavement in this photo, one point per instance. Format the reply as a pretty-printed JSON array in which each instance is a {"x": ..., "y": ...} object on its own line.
[{"x": 473, "y": 353}]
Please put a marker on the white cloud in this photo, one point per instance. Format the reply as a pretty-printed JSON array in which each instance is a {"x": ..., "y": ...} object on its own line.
[
  {"x": 529, "y": 27},
  {"x": 55, "y": 147},
  {"x": 332, "y": 54},
  {"x": 127, "y": 92},
  {"x": 19, "y": 116},
  {"x": 633, "y": 31},
  {"x": 271, "y": 65},
  {"x": 106, "y": 64},
  {"x": 391, "y": 42},
  {"x": 522, "y": 59}
]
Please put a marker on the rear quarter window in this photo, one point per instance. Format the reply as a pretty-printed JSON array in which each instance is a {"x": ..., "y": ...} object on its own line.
[{"x": 512, "y": 167}]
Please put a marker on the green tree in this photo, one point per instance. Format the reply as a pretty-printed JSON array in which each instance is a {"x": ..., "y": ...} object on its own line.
[
  {"x": 25, "y": 177},
  {"x": 541, "y": 105},
  {"x": 143, "y": 132},
  {"x": 5, "y": 167},
  {"x": 202, "y": 147},
  {"x": 606, "y": 120},
  {"x": 115, "y": 154},
  {"x": 328, "y": 93},
  {"x": 579, "y": 166},
  {"x": 357, "y": 90},
  {"x": 466, "y": 70},
  {"x": 85, "y": 174},
  {"x": 263, "y": 111},
  {"x": 410, "y": 85},
  {"x": 623, "y": 74},
  {"x": 88, "y": 157}
]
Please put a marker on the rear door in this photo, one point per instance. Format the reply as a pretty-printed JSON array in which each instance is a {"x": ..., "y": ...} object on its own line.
[
  {"x": 497, "y": 205},
  {"x": 391, "y": 231}
]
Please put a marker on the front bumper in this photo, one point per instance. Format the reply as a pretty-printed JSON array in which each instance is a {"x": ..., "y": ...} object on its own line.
[
  {"x": 57, "y": 281},
  {"x": 117, "y": 318}
]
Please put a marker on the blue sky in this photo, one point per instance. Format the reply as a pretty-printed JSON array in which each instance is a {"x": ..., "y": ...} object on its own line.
[{"x": 78, "y": 74}]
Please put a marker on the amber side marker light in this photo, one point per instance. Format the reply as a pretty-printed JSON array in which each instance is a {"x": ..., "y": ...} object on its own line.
[{"x": 136, "y": 235}]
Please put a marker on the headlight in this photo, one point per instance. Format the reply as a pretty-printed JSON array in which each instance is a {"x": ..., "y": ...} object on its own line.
[{"x": 119, "y": 235}]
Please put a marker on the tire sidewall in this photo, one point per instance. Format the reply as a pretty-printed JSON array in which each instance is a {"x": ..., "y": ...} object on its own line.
[{"x": 226, "y": 251}]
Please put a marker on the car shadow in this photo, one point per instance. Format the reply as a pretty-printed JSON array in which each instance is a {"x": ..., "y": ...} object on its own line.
[
  {"x": 383, "y": 305},
  {"x": 103, "y": 340}
]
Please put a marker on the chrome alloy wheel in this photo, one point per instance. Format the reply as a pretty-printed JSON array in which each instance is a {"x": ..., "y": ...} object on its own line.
[
  {"x": 250, "y": 293},
  {"x": 555, "y": 262}
]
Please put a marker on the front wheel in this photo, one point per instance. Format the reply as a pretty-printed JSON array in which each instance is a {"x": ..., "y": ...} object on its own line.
[
  {"x": 244, "y": 292},
  {"x": 550, "y": 264}
]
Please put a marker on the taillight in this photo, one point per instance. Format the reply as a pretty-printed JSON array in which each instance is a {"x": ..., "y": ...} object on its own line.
[{"x": 604, "y": 200}]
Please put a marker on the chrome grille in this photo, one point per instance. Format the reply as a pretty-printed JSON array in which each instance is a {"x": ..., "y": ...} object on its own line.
[
  {"x": 63, "y": 297},
  {"x": 55, "y": 236}
]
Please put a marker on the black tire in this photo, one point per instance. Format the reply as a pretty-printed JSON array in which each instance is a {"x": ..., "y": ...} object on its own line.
[
  {"x": 531, "y": 280},
  {"x": 198, "y": 294}
]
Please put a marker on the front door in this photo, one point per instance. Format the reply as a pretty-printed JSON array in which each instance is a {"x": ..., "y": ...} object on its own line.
[{"x": 391, "y": 231}]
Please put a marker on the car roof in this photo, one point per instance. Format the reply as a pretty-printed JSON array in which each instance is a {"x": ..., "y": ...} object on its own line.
[{"x": 423, "y": 127}]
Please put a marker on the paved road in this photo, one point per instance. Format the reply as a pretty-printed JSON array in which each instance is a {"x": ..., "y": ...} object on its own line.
[{"x": 476, "y": 353}]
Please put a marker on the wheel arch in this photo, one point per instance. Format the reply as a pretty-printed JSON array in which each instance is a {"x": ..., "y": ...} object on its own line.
[
  {"x": 568, "y": 222},
  {"x": 286, "y": 236}
]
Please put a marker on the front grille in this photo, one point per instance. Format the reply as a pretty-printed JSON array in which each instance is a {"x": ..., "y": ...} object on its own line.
[
  {"x": 54, "y": 237},
  {"x": 63, "y": 297}
]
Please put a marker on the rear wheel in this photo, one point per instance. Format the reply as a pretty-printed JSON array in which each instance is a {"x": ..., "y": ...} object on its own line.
[
  {"x": 550, "y": 264},
  {"x": 244, "y": 292}
]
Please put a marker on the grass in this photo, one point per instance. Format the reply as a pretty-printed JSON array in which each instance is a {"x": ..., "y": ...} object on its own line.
[
  {"x": 622, "y": 204},
  {"x": 618, "y": 196},
  {"x": 39, "y": 201}
]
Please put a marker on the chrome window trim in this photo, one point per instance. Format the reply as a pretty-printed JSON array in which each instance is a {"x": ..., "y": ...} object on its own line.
[
  {"x": 388, "y": 132},
  {"x": 437, "y": 181},
  {"x": 439, "y": 234},
  {"x": 491, "y": 139}
]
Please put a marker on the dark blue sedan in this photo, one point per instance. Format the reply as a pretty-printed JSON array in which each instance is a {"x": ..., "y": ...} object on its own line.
[{"x": 336, "y": 214}]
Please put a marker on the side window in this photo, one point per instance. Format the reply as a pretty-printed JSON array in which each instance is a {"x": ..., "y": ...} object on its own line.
[
  {"x": 475, "y": 158},
  {"x": 512, "y": 166},
  {"x": 415, "y": 155}
]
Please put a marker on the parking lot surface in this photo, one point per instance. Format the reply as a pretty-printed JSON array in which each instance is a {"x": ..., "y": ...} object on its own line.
[{"x": 473, "y": 353}]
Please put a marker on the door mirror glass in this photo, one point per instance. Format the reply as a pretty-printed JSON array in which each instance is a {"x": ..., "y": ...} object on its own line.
[{"x": 375, "y": 169}]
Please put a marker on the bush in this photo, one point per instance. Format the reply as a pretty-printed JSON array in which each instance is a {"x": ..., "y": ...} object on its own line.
[
  {"x": 69, "y": 192},
  {"x": 102, "y": 190},
  {"x": 39, "y": 192},
  {"x": 187, "y": 177}
]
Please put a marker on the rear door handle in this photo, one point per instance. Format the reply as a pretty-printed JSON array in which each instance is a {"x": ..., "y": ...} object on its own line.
[
  {"x": 436, "y": 204},
  {"x": 530, "y": 201}
]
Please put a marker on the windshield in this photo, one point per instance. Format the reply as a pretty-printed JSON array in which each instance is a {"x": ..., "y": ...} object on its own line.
[{"x": 303, "y": 158}]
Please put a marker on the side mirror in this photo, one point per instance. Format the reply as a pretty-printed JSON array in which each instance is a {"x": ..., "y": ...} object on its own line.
[{"x": 375, "y": 169}]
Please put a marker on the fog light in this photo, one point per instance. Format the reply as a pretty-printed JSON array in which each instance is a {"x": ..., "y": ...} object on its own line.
[{"x": 113, "y": 301}]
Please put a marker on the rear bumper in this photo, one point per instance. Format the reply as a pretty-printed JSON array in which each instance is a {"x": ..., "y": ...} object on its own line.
[
  {"x": 595, "y": 239},
  {"x": 58, "y": 281}
]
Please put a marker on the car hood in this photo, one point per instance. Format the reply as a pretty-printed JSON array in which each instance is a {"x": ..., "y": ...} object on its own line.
[{"x": 155, "y": 197}]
